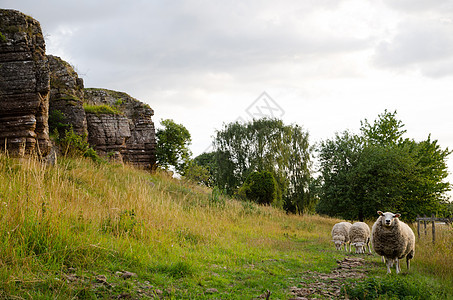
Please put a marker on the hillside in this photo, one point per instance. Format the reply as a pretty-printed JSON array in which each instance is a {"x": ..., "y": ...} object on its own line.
[{"x": 87, "y": 231}]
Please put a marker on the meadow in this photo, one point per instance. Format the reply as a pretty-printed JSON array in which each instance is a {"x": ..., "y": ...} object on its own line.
[{"x": 85, "y": 230}]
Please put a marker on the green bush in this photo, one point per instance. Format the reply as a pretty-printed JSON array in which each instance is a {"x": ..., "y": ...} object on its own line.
[
  {"x": 72, "y": 144},
  {"x": 260, "y": 187},
  {"x": 58, "y": 124}
]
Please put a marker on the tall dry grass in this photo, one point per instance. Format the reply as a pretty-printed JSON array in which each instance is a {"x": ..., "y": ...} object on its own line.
[{"x": 78, "y": 213}]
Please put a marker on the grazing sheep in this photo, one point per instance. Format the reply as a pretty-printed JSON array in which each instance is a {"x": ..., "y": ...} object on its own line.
[
  {"x": 393, "y": 239},
  {"x": 340, "y": 235},
  {"x": 359, "y": 235}
]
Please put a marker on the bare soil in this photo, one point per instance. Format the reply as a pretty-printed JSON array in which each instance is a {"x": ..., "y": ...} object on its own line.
[{"x": 314, "y": 285}]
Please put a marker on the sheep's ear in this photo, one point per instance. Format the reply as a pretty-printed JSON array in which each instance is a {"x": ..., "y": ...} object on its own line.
[
  {"x": 397, "y": 215},
  {"x": 380, "y": 212}
]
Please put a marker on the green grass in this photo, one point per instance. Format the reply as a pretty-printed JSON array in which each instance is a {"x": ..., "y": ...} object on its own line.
[
  {"x": 70, "y": 230},
  {"x": 102, "y": 109}
]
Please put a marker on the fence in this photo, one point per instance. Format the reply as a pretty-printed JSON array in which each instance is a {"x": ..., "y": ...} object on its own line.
[{"x": 433, "y": 221}]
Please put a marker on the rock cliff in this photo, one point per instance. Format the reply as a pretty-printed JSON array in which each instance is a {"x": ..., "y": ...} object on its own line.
[
  {"x": 140, "y": 137},
  {"x": 116, "y": 124},
  {"x": 66, "y": 96},
  {"x": 24, "y": 85}
]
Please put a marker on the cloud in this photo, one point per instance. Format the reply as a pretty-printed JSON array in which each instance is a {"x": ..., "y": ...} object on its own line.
[
  {"x": 420, "y": 5},
  {"x": 424, "y": 45}
]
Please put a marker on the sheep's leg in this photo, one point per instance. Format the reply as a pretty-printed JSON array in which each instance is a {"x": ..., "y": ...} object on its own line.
[
  {"x": 389, "y": 263},
  {"x": 397, "y": 266},
  {"x": 408, "y": 263}
]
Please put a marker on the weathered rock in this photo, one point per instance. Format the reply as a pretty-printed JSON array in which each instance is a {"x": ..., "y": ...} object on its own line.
[
  {"x": 141, "y": 144},
  {"x": 24, "y": 85},
  {"x": 107, "y": 134},
  {"x": 66, "y": 96}
]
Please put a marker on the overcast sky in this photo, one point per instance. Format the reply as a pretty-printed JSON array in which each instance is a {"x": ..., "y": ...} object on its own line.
[{"x": 323, "y": 64}]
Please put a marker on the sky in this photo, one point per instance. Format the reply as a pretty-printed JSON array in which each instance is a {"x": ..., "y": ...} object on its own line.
[{"x": 325, "y": 65}]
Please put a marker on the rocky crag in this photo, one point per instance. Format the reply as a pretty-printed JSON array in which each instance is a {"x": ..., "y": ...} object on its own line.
[
  {"x": 66, "y": 96},
  {"x": 24, "y": 86},
  {"x": 134, "y": 124},
  {"x": 115, "y": 124}
]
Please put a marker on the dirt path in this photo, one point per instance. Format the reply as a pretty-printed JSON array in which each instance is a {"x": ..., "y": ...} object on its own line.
[{"x": 316, "y": 285}]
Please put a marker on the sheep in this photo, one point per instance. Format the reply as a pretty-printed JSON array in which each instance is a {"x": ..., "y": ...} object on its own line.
[
  {"x": 340, "y": 235},
  {"x": 393, "y": 240},
  {"x": 359, "y": 235}
]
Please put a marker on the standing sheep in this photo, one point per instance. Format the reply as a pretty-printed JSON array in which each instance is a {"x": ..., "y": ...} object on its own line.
[
  {"x": 340, "y": 235},
  {"x": 393, "y": 239},
  {"x": 359, "y": 234}
]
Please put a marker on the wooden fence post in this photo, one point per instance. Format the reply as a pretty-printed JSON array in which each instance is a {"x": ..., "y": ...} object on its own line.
[
  {"x": 434, "y": 228},
  {"x": 424, "y": 224},
  {"x": 418, "y": 226}
]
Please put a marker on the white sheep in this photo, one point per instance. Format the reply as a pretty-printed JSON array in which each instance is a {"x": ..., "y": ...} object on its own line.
[
  {"x": 359, "y": 235},
  {"x": 340, "y": 235},
  {"x": 393, "y": 239}
]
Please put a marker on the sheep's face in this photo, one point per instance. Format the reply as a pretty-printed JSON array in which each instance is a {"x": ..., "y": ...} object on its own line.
[
  {"x": 338, "y": 244},
  {"x": 388, "y": 218}
]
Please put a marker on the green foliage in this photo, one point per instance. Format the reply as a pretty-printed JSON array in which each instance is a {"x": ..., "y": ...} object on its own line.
[
  {"x": 173, "y": 146},
  {"x": 72, "y": 144},
  {"x": 392, "y": 287},
  {"x": 217, "y": 198},
  {"x": 379, "y": 170},
  {"x": 57, "y": 122},
  {"x": 2, "y": 38},
  {"x": 260, "y": 187},
  {"x": 385, "y": 130},
  {"x": 198, "y": 174},
  {"x": 208, "y": 161},
  {"x": 265, "y": 145},
  {"x": 102, "y": 109}
]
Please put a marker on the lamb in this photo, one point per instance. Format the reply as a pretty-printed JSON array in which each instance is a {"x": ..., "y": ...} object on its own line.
[
  {"x": 359, "y": 235},
  {"x": 340, "y": 235},
  {"x": 393, "y": 240}
]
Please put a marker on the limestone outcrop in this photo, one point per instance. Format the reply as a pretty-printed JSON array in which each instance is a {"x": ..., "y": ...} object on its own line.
[
  {"x": 115, "y": 124},
  {"x": 24, "y": 85},
  {"x": 66, "y": 96},
  {"x": 140, "y": 139},
  {"x": 107, "y": 134},
  {"x": 118, "y": 126}
]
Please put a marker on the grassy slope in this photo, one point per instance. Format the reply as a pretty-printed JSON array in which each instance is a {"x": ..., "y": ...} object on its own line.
[{"x": 69, "y": 230}]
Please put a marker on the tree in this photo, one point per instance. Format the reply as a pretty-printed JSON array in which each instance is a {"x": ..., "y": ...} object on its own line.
[
  {"x": 207, "y": 160},
  {"x": 197, "y": 174},
  {"x": 379, "y": 170},
  {"x": 265, "y": 145},
  {"x": 173, "y": 146},
  {"x": 261, "y": 188}
]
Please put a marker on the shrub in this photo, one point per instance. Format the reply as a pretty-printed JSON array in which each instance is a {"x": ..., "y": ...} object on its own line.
[
  {"x": 260, "y": 187},
  {"x": 58, "y": 124},
  {"x": 73, "y": 144}
]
